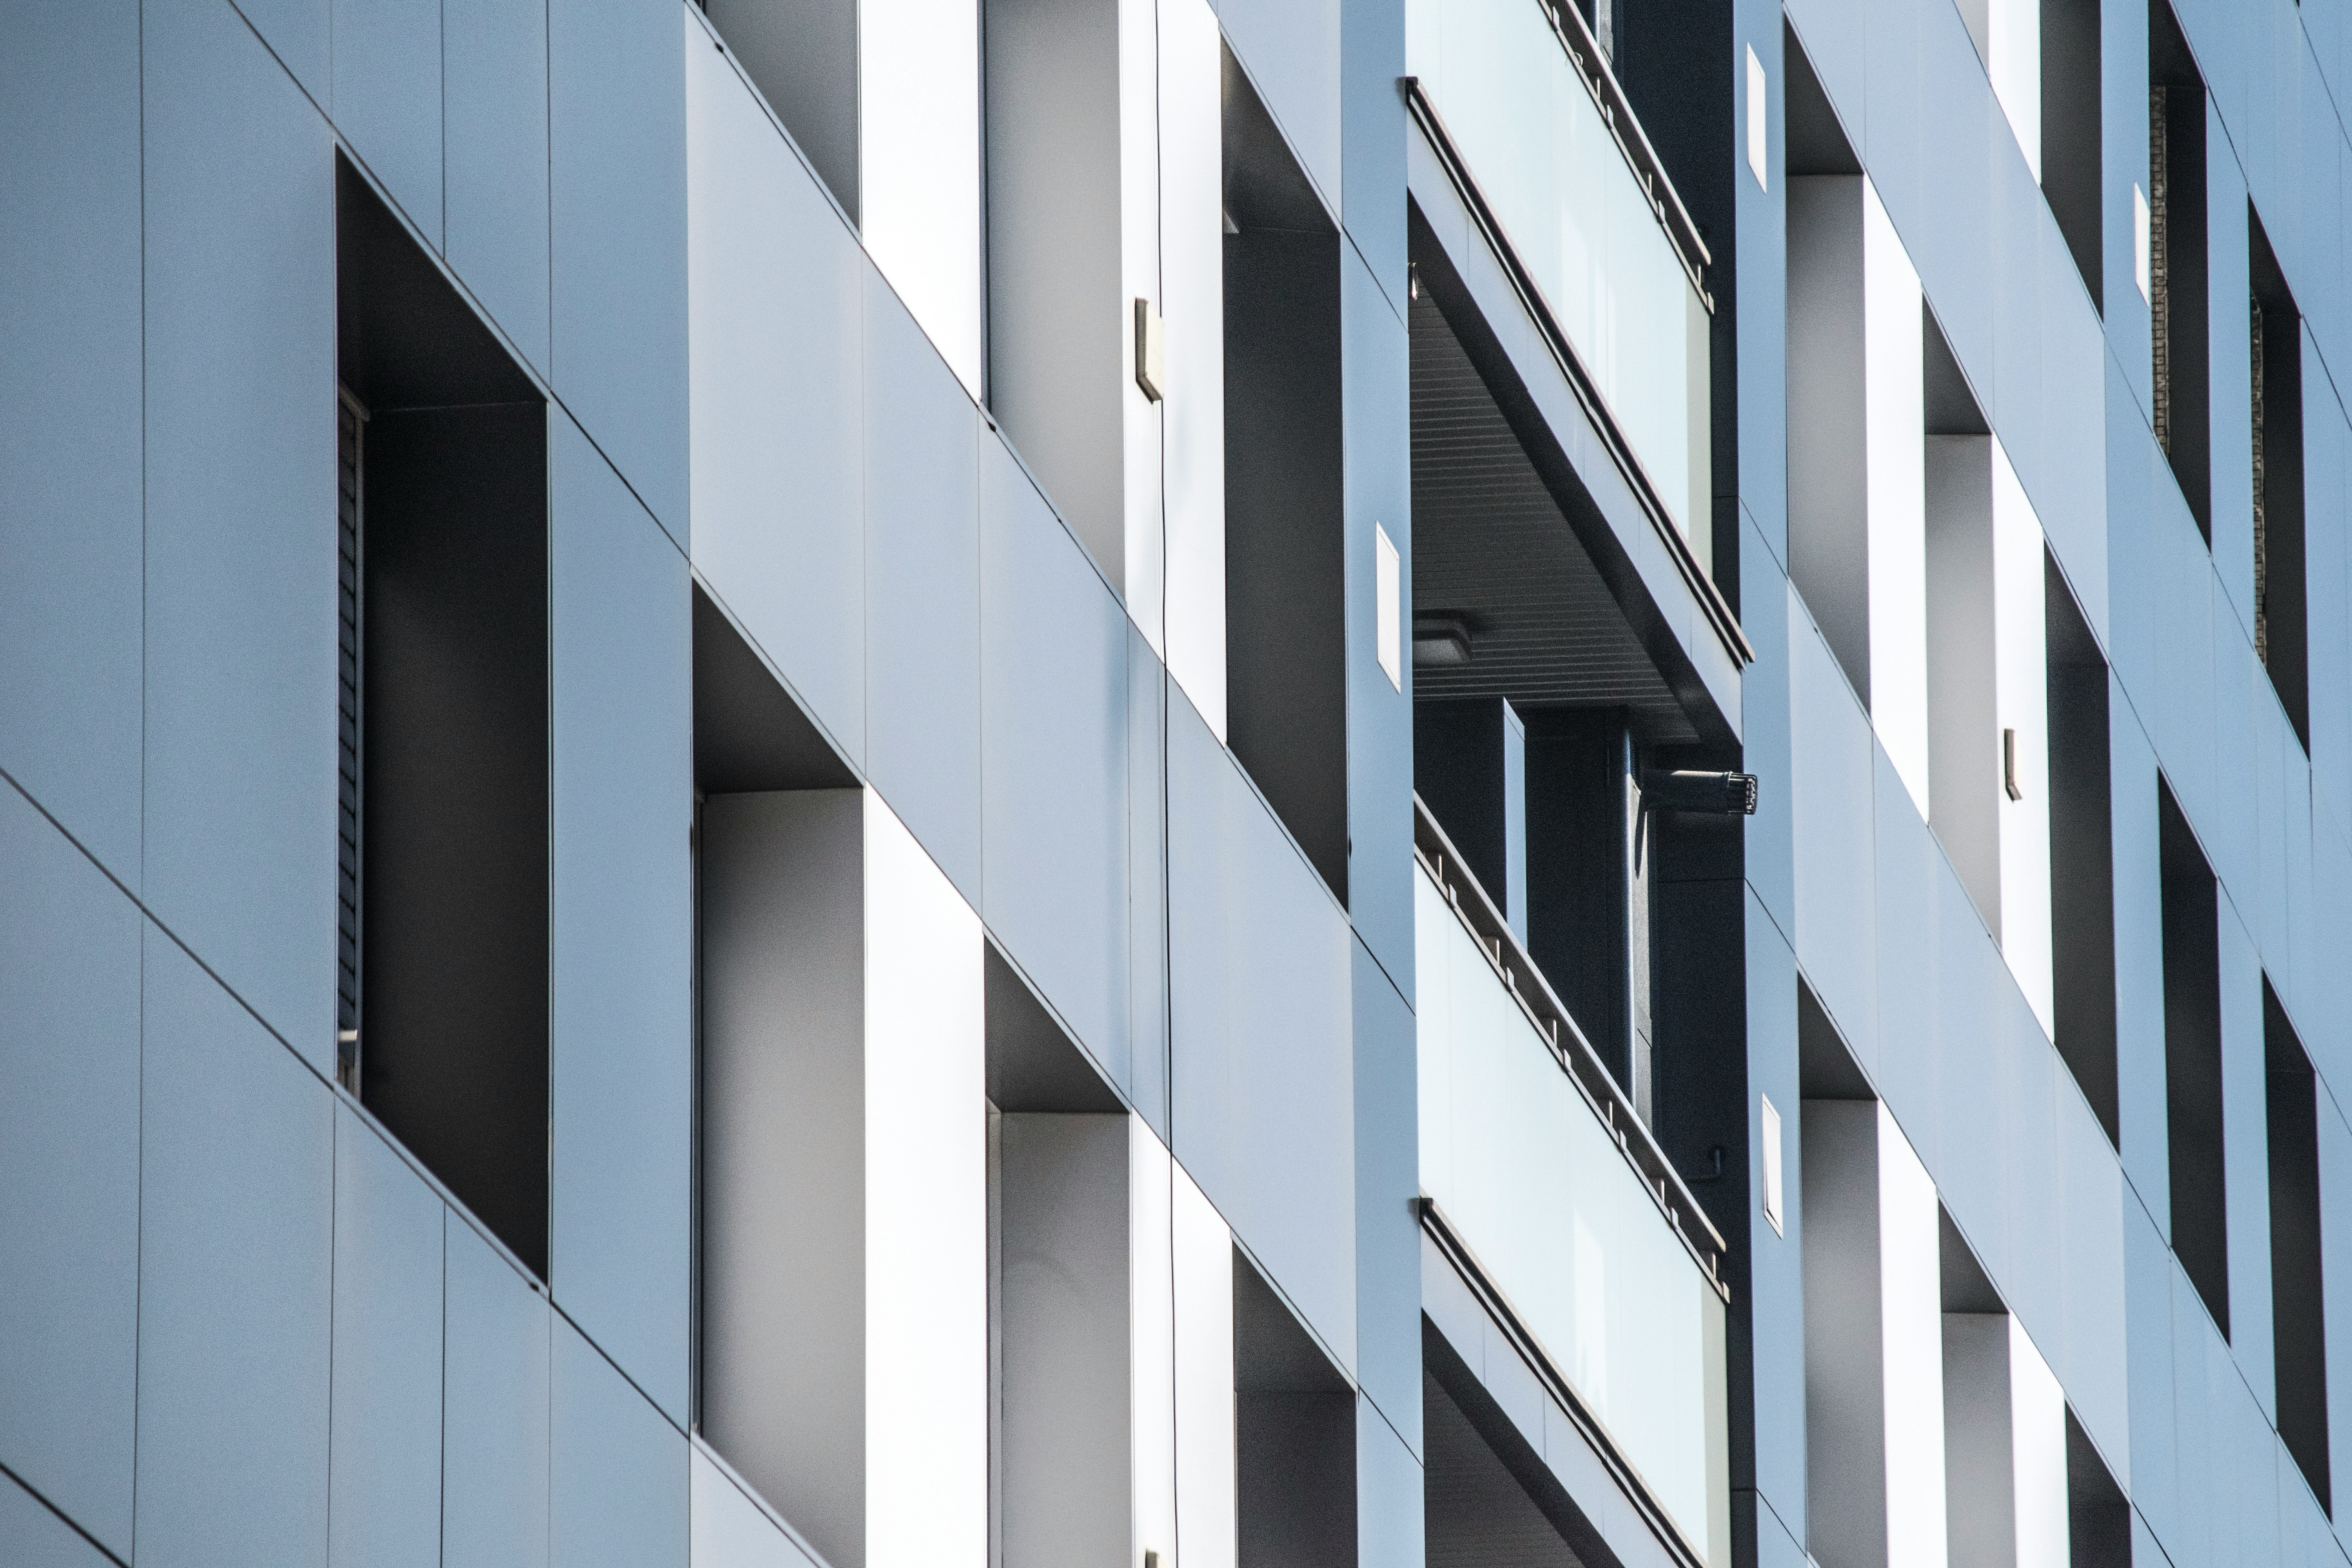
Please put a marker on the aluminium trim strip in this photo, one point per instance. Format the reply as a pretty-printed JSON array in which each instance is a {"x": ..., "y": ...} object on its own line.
[{"x": 1719, "y": 617}]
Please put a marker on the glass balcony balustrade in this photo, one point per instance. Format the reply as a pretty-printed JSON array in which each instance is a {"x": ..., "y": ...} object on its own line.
[
  {"x": 1579, "y": 197},
  {"x": 1579, "y": 1229}
]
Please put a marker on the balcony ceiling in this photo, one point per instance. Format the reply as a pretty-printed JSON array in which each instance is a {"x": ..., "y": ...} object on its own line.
[{"x": 1491, "y": 546}]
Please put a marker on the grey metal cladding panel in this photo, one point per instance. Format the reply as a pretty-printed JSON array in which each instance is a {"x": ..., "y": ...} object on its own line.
[
  {"x": 618, "y": 1492},
  {"x": 69, "y": 419},
  {"x": 31, "y": 1536},
  {"x": 2153, "y": 1478},
  {"x": 297, "y": 32},
  {"x": 1376, "y": 411},
  {"x": 1291, "y": 50},
  {"x": 1775, "y": 1286},
  {"x": 69, "y": 1175},
  {"x": 494, "y": 1411},
  {"x": 1830, "y": 797},
  {"x": 388, "y": 96},
  {"x": 236, "y": 1238},
  {"x": 494, "y": 167},
  {"x": 1147, "y": 890},
  {"x": 922, "y": 589},
  {"x": 1054, "y": 761},
  {"x": 240, "y": 543},
  {"x": 384, "y": 1448},
  {"x": 1261, "y": 1060},
  {"x": 1390, "y": 1532},
  {"x": 1387, "y": 1180},
  {"x": 778, "y": 336},
  {"x": 620, "y": 1048},
  {"x": 616, "y": 183},
  {"x": 1372, "y": 132},
  {"x": 1764, "y": 726}
]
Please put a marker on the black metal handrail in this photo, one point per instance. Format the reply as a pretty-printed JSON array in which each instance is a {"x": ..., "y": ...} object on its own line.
[{"x": 1599, "y": 1086}]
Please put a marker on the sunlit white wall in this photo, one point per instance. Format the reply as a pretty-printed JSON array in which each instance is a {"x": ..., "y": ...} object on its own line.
[
  {"x": 919, "y": 166},
  {"x": 1207, "y": 1517},
  {"x": 1192, "y": 304},
  {"x": 1151, "y": 1295},
  {"x": 2038, "y": 1454},
  {"x": 1139, "y": 238},
  {"x": 926, "y": 1212},
  {"x": 2013, "y": 60}
]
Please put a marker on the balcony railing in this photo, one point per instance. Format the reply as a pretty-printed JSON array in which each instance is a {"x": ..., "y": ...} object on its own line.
[
  {"x": 1547, "y": 1189},
  {"x": 1517, "y": 91}
]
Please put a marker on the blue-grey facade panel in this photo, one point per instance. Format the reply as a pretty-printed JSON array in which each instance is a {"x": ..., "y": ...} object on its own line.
[
  {"x": 494, "y": 1409},
  {"x": 69, "y": 420},
  {"x": 1262, "y": 1103},
  {"x": 236, "y": 1236},
  {"x": 1388, "y": 1181},
  {"x": 1768, "y": 841},
  {"x": 1388, "y": 1477},
  {"x": 1053, "y": 784},
  {"x": 240, "y": 540},
  {"x": 2139, "y": 961},
  {"x": 495, "y": 163},
  {"x": 1830, "y": 791},
  {"x": 1291, "y": 50},
  {"x": 34, "y": 1536},
  {"x": 69, "y": 1175},
  {"x": 1774, "y": 1296},
  {"x": 1376, "y": 398},
  {"x": 1147, "y": 686},
  {"x": 922, "y": 589},
  {"x": 618, "y": 1490},
  {"x": 2093, "y": 1364},
  {"x": 1904, "y": 864},
  {"x": 1372, "y": 133},
  {"x": 388, "y": 99},
  {"x": 384, "y": 1446},
  {"x": 779, "y": 411},
  {"x": 301, "y": 33},
  {"x": 620, "y": 954},
  {"x": 2152, "y": 1473},
  {"x": 616, "y": 187}
]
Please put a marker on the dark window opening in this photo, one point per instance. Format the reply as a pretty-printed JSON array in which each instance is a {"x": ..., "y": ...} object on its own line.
[
  {"x": 2298, "y": 1306},
  {"x": 2177, "y": 328},
  {"x": 1286, "y": 609},
  {"x": 1589, "y": 873},
  {"x": 443, "y": 951},
  {"x": 2070, "y": 132},
  {"x": 1294, "y": 1437},
  {"x": 2275, "y": 335},
  {"x": 2192, "y": 1058},
  {"x": 2081, "y": 853}
]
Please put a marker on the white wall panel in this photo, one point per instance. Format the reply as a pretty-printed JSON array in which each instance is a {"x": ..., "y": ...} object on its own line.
[
  {"x": 1912, "y": 1330},
  {"x": 1964, "y": 709},
  {"x": 2013, "y": 60},
  {"x": 2037, "y": 1408},
  {"x": 1207, "y": 1513},
  {"x": 918, "y": 165},
  {"x": 1192, "y": 304},
  {"x": 1896, "y": 485},
  {"x": 1139, "y": 212},
  {"x": 1152, "y": 1368},
  {"x": 926, "y": 1212}
]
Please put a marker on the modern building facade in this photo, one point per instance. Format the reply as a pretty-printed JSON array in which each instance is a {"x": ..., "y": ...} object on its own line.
[{"x": 1293, "y": 783}]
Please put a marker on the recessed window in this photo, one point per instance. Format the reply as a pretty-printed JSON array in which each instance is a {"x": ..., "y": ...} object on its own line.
[
  {"x": 442, "y": 963},
  {"x": 2299, "y": 1293},
  {"x": 2274, "y": 336},
  {"x": 2192, "y": 1058},
  {"x": 2179, "y": 332}
]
